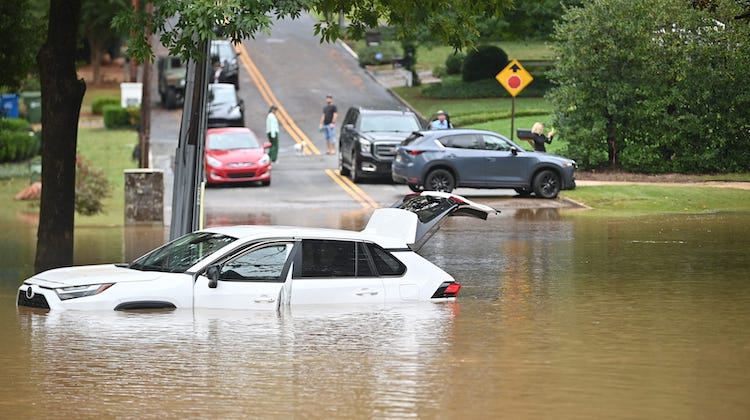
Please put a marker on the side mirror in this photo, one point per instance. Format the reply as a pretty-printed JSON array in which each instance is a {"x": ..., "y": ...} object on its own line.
[
  {"x": 513, "y": 151},
  {"x": 212, "y": 273},
  {"x": 349, "y": 127},
  {"x": 267, "y": 145}
]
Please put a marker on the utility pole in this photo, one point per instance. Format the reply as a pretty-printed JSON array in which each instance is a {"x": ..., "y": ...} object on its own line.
[{"x": 188, "y": 169}]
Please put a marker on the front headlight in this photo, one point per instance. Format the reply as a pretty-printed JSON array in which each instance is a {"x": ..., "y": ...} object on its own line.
[
  {"x": 212, "y": 161},
  {"x": 364, "y": 146},
  {"x": 264, "y": 160},
  {"x": 72, "y": 292}
]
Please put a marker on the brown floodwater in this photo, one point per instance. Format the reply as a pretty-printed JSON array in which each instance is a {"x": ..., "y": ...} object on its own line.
[{"x": 560, "y": 317}]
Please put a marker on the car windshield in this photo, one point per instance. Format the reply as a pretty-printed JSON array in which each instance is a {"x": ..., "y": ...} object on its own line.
[
  {"x": 398, "y": 123},
  {"x": 231, "y": 141},
  {"x": 182, "y": 253},
  {"x": 223, "y": 51},
  {"x": 223, "y": 95}
]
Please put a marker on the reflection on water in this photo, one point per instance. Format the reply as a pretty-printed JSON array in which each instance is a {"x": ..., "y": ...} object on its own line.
[{"x": 559, "y": 317}]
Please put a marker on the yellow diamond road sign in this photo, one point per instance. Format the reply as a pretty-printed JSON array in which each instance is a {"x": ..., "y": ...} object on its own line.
[{"x": 514, "y": 78}]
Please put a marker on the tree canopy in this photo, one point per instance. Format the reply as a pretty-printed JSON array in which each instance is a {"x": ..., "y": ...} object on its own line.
[
  {"x": 654, "y": 85},
  {"x": 181, "y": 23}
]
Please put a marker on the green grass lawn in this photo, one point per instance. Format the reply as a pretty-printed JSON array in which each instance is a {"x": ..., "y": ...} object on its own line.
[
  {"x": 635, "y": 200},
  {"x": 106, "y": 150}
]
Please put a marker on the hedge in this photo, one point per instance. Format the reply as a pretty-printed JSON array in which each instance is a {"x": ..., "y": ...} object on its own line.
[
  {"x": 97, "y": 107},
  {"x": 387, "y": 50},
  {"x": 115, "y": 116},
  {"x": 17, "y": 145}
]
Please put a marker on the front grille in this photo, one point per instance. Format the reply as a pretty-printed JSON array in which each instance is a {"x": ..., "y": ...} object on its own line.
[
  {"x": 241, "y": 175},
  {"x": 386, "y": 150},
  {"x": 36, "y": 301}
]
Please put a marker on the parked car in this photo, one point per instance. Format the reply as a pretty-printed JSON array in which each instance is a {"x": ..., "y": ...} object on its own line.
[
  {"x": 171, "y": 73},
  {"x": 225, "y": 108},
  {"x": 265, "y": 267},
  {"x": 234, "y": 154},
  {"x": 368, "y": 141},
  {"x": 223, "y": 53},
  {"x": 442, "y": 160}
]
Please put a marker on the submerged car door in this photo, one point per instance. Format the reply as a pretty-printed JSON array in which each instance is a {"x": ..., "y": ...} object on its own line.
[
  {"x": 416, "y": 217},
  {"x": 252, "y": 278},
  {"x": 329, "y": 271},
  {"x": 503, "y": 166}
]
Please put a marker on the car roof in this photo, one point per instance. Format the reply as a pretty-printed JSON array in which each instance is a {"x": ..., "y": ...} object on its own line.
[
  {"x": 250, "y": 232},
  {"x": 383, "y": 111}
]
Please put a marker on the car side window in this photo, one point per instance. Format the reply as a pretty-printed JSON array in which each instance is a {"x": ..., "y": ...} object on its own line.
[
  {"x": 259, "y": 264},
  {"x": 495, "y": 143},
  {"x": 463, "y": 141},
  {"x": 323, "y": 258},
  {"x": 385, "y": 263},
  {"x": 328, "y": 258},
  {"x": 351, "y": 116}
]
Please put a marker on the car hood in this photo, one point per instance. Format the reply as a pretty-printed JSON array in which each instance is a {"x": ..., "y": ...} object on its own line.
[
  {"x": 394, "y": 136},
  {"x": 416, "y": 217},
  {"x": 90, "y": 274},
  {"x": 237, "y": 155}
]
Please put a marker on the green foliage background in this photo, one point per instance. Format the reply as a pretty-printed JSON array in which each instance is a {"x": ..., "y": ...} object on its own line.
[{"x": 654, "y": 86}]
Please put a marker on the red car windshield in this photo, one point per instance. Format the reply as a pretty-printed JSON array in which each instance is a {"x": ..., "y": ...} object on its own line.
[{"x": 231, "y": 141}]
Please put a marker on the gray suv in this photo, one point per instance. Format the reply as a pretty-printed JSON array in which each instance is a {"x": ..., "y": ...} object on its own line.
[
  {"x": 368, "y": 141},
  {"x": 446, "y": 159}
]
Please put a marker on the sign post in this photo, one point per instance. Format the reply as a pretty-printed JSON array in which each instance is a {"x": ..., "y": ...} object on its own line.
[{"x": 513, "y": 78}]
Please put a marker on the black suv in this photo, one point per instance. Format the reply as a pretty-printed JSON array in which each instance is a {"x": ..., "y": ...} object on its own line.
[{"x": 368, "y": 141}]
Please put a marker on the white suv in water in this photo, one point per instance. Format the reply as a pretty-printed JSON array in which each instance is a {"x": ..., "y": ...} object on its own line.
[{"x": 265, "y": 267}]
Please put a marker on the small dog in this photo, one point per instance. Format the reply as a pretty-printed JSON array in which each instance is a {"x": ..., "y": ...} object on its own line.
[{"x": 299, "y": 148}]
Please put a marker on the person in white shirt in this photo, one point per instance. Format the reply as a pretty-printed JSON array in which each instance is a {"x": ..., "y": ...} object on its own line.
[
  {"x": 442, "y": 123},
  {"x": 272, "y": 130}
]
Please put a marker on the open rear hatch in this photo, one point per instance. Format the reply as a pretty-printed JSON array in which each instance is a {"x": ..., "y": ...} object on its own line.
[{"x": 416, "y": 217}]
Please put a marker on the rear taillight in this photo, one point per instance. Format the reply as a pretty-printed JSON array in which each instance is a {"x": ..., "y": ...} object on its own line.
[
  {"x": 448, "y": 289},
  {"x": 415, "y": 152}
]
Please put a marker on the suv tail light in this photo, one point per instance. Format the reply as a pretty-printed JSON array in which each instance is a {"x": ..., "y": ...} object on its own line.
[
  {"x": 448, "y": 289},
  {"x": 415, "y": 152}
]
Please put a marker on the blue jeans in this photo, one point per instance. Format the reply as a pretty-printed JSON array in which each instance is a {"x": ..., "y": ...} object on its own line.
[{"x": 330, "y": 133}]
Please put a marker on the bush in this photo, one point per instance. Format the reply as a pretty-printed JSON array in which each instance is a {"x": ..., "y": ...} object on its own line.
[
  {"x": 484, "y": 63},
  {"x": 17, "y": 145},
  {"x": 454, "y": 63},
  {"x": 387, "y": 50},
  {"x": 92, "y": 187},
  {"x": 452, "y": 88},
  {"x": 116, "y": 116},
  {"x": 97, "y": 107},
  {"x": 134, "y": 115},
  {"x": 14, "y": 124}
]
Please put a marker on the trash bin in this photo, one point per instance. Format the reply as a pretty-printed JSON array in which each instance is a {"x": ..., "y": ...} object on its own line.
[
  {"x": 10, "y": 105},
  {"x": 33, "y": 103}
]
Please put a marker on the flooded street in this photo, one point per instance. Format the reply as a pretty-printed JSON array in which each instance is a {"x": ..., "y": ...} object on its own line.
[{"x": 560, "y": 316}]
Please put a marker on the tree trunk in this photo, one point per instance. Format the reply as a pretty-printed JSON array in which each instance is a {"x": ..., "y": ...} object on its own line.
[{"x": 62, "y": 94}]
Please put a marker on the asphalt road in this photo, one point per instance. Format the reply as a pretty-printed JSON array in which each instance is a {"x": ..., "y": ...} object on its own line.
[{"x": 290, "y": 68}]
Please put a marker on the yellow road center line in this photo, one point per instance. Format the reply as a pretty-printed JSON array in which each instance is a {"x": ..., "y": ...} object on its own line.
[
  {"x": 296, "y": 133},
  {"x": 286, "y": 121}
]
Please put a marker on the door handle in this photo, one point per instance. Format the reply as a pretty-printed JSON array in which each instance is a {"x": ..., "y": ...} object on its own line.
[
  {"x": 265, "y": 299},
  {"x": 490, "y": 159},
  {"x": 364, "y": 292}
]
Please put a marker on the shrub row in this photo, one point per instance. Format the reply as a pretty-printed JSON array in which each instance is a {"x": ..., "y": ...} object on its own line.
[
  {"x": 116, "y": 116},
  {"x": 17, "y": 145},
  {"x": 97, "y": 107},
  {"x": 453, "y": 88}
]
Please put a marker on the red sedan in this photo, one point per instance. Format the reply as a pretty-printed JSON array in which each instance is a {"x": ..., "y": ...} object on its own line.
[{"x": 234, "y": 154}]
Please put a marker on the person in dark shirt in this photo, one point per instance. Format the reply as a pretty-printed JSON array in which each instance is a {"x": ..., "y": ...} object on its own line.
[
  {"x": 538, "y": 137},
  {"x": 328, "y": 124}
]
